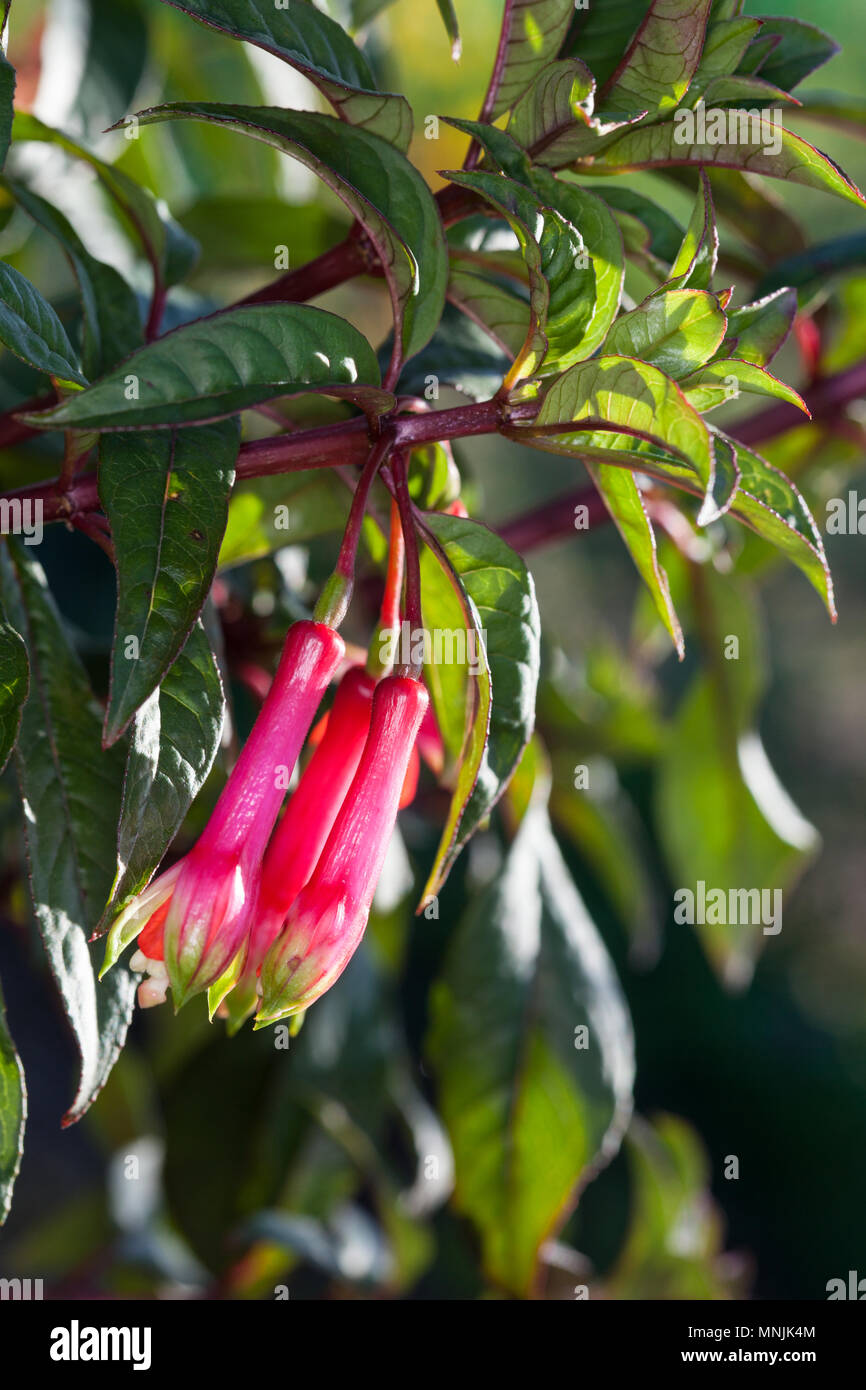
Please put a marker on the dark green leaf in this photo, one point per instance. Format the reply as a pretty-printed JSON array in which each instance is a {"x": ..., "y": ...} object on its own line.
[
  {"x": 13, "y": 1113},
  {"x": 810, "y": 270},
  {"x": 378, "y": 185},
  {"x": 71, "y": 790},
  {"x": 461, "y": 355},
  {"x": 103, "y": 44},
  {"x": 787, "y": 50},
  {"x": 661, "y": 59},
  {"x": 299, "y": 33},
  {"x": 112, "y": 323},
  {"x": 166, "y": 497},
  {"x": 503, "y": 597},
  {"x": 219, "y": 366},
  {"x": 601, "y": 34},
  {"x": 452, "y": 27},
  {"x": 30, "y": 328},
  {"x": 14, "y": 684},
  {"x": 499, "y": 310},
  {"x": 7, "y": 98},
  {"x": 174, "y": 741},
  {"x": 532, "y": 1050},
  {"x": 532, "y": 33},
  {"x": 664, "y": 235}
]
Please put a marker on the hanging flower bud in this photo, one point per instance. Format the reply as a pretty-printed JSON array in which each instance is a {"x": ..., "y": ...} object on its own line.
[
  {"x": 305, "y": 826},
  {"x": 202, "y": 907},
  {"x": 327, "y": 919}
]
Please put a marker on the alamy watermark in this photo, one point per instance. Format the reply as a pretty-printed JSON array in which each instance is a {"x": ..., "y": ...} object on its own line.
[
  {"x": 718, "y": 125},
  {"x": 21, "y": 517},
  {"x": 408, "y": 646},
  {"x": 732, "y": 907}
]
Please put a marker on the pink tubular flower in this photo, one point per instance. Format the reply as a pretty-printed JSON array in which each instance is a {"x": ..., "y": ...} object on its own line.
[
  {"x": 327, "y": 919},
  {"x": 207, "y": 900},
  {"x": 305, "y": 826}
]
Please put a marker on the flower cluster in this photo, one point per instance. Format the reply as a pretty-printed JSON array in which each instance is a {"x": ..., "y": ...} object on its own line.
[{"x": 266, "y": 919}]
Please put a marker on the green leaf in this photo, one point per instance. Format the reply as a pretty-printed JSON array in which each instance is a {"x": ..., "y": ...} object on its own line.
[
  {"x": 13, "y": 1113},
  {"x": 452, "y": 27},
  {"x": 174, "y": 741},
  {"x": 696, "y": 259},
  {"x": 722, "y": 381},
  {"x": 658, "y": 146},
  {"x": 554, "y": 118},
  {"x": 266, "y": 514},
  {"x": 112, "y": 323},
  {"x": 670, "y": 1193},
  {"x": 561, "y": 276},
  {"x": 623, "y": 499},
  {"x": 378, "y": 185},
  {"x": 664, "y": 235},
  {"x": 647, "y": 405},
  {"x": 215, "y": 367},
  {"x": 460, "y": 354},
  {"x": 316, "y": 46},
  {"x": 498, "y": 310},
  {"x": 166, "y": 497},
  {"x": 674, "y": 330},
  {"x": 662, "y": 58},
  {"x": 502, "y": 596},
  {"x": 532, "y": 32},
  {"x": 30, "y": 328},
  {"x": 14, "y": 685},
  {"x": 722, "y": 817},
  {"x": 756, "y": 331},
  {"x": 532, "y": 1051},
  {"x": 770, "y": 504},
  {"x": 725, "y": 45},
  {"x": 787, "y": 50},
  {"x": 7, "y": 111},
  {"x": 166, "y": 245},
  {"x": 71, "y": 790},
  {"x": 603, "y": 241},
  {"x": 600, "y": 34}
]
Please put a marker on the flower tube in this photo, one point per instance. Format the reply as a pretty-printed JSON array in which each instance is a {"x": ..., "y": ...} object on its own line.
[
  {"x": 204, "y": 904},
  {"x": 327, "y": 919}
]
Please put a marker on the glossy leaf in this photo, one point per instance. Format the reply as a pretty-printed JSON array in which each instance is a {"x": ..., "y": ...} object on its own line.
[
  {"x": 561, "y": 277},
  {"x": 316, "y": 46},
  {"x": 532, "y": 32},
  {"x": 166, "y": 497},
  {"x": 603, "y": 241},
  {"x": 770, "y": 504},
  {"x": 674, "y": 330},
  {"x": 554, "y": 119},
  {"x": 219, "y": 366},
  {"x": 627, "y": 404},
  {"x": 14, "y": 685},
  {"x": 30, "y": 328},
  {"x": 378, "y": 185},
  {"x": 460, "y": 354},
  {"x": 718, "y": 382},
  {"x": 787, "y": 50},
  {"x": 70, "y": 789},
  {"x": 662, "y": 58},
  {"x": 112, "y": 323},
  {"x": 657, "y": 146},
  {"x": 502, "y": 594},
  {"x": 696, "y": 259},
  {"x": 532, "y": 1051},
  {"x": 13, "y": 1112},
  {"x": 756, "y": 331},
  {"x": 173, "y": 743},
  {"x": 600, "y": 34}
]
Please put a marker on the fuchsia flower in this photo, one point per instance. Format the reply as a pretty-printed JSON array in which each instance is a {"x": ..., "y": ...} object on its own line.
[
  {"x": 197, "y": 916},
  {"x": 326, "y": 921},
  {"x": 303, "y": 830}
]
